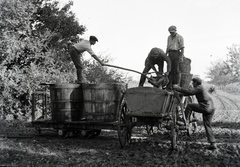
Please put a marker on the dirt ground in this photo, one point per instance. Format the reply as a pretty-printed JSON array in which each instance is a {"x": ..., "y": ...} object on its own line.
[{"x": 20, "y": 145}]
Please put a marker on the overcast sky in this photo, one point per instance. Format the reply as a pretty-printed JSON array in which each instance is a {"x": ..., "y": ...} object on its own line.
[{"x": 128, "y": 29}]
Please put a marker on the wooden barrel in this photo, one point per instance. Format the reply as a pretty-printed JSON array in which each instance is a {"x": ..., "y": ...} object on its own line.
[
  {"x": 101, "y": 101},
  {"x": 90, "y": 102},
  {"x": 66, "y": 102},
  {"x": 186, "y": 79},
  {"x": 185, "y": 65}
]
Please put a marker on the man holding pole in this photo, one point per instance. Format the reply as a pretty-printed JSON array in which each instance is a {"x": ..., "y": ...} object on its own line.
[{"x": 76, "y": 52}]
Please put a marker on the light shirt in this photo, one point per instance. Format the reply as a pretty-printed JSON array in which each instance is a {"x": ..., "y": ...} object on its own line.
[
  {"x": 84, "y": 45},
  {"x": 175, "y": 43}
]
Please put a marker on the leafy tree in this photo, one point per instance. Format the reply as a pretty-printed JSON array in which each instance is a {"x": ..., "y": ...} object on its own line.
[
  {"x": 19, "y": 52},
  {"x": 226, "y": 72},
  {"x": 34, "y": 40},
  {"x": 233, "y": 63},
  {"x": 95, "y": 73},
  {"x": 218, "y": 73},
  {"x": 24, "y": 64}
]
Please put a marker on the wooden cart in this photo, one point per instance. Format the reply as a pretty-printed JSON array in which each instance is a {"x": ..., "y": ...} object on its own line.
[{"x": 151, "y": 106}]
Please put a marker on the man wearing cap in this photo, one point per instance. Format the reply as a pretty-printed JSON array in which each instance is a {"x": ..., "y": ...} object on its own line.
[
  {"x": 155, "y": 57},
  {"x": 205, "y": 106},
  {"x": 175, "y": 51},
  {"x": 76, "y": 51}
]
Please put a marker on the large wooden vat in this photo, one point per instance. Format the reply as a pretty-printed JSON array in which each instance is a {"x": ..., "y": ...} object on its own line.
[
  {"x": 101, "y": 101},
  {"x": 66, "y": 102},
  {"x": 90, "y": 102}
]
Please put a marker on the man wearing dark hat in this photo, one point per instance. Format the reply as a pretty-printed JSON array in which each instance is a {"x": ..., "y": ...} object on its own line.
[
  {"x": 76, "y": 51},
  {"x": 205, "y": 106},
  {"x": 175, "y": 51},
  {"x": 155, "y": 57}
]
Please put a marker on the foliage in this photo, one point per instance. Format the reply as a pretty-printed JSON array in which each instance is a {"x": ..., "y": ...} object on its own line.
[
  {"x": 218, "y": 74},
  {"x": 16, "y": 56},
  {"x": 95, "y": 73},
  {"x": 233, "y": 63},
  {"x": 34, "y": 40},
  {"x": 231, "y": 88},
  {"x": 226, "y": 72}
]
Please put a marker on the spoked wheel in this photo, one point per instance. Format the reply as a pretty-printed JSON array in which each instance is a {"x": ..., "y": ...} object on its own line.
[
  {"x": 193, "y": 120},
  {"x": 124, "y": 124},
  {"x": 149, "y": 129},
  {"x": 97, "y": 132},
  {"x": 174, "y": 130}
]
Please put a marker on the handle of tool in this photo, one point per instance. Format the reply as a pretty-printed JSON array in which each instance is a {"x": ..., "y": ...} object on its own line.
[
  {"x": 149, "y": 79},
  {"x": 109, "y": 65}
]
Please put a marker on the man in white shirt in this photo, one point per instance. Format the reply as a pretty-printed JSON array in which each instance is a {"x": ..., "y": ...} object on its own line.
[
  {"x": 175, "y": 51},
  {"x": 76, "y": 52}
]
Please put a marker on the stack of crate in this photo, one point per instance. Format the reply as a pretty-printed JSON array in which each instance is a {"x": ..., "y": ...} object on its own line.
[{"x": 186, "y": 76}]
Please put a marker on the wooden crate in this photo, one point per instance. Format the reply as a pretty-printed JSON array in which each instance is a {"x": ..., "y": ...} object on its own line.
[
  {"x": 148, "y": 101},
  {"x": 186, "y": 79}
]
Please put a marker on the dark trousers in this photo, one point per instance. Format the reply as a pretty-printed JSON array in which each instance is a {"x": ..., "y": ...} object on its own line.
[
  {"x": 207, "y": 114},
  {"x": 147, "y": 69},
  {"x": 76, "y": 58},
  {"x": 175, "y": 74}
]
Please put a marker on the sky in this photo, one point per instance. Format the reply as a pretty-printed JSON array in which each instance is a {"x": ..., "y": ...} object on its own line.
[{"x": 128, "y": 29}]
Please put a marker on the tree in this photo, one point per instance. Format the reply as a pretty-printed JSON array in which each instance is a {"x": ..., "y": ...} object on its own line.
[
  {"x": 95, "y": 73},
  {"x": 34, "y": 40},
  {"x": 226, "y": 72},
  {"x": 233, "y": 63},
  {"x": 218, "y": 74},
  {"x": 24, "y": 63}
]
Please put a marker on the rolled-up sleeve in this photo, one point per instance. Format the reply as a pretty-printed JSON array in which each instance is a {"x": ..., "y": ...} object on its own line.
[{"x": 90, "y": 51}]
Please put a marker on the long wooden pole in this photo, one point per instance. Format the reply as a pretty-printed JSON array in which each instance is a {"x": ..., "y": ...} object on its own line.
[
  {"x": 153, "y": 82},
  {"x": 109, "y": 65}
]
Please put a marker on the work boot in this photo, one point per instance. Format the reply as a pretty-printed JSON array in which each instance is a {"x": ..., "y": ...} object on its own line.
[{"x": 212, "y": 146}]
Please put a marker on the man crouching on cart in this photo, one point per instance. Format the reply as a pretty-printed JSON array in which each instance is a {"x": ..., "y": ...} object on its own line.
[
  {"x": 155, "y": 57},
  {"x": 205, "y": 106}
]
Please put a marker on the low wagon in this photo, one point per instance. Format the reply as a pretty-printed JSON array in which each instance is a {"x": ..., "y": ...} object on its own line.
[{"x": 77, "y": 108}]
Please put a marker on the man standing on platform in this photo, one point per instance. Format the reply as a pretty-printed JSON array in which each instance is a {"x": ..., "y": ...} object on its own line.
[
  {"x": 76, "y": 51},
  {"x": 175, "y": 51}
]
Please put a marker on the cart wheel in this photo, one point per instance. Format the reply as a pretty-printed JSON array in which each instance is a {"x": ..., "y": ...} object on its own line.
[
  {"x": 149, "y": 129},
  {"x": 97, "y": 132},
  {"x": 63, "y": 133},
  {"x": 93, "y": 133},
  {"x": 38, "y": 130},
  {"x": 84, "y": 133},
  {"x": 124, "y": 125},
  {"x": 174, "y": 132},
  {"x": 193, "y": 125}
]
